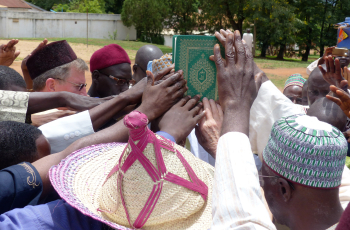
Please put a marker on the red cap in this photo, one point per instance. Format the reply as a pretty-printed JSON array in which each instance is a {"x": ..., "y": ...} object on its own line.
[{"x": 112, "y": 54}]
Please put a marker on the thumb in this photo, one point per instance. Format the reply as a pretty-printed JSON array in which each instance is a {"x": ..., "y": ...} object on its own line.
[{"x": 150, "y": 78}]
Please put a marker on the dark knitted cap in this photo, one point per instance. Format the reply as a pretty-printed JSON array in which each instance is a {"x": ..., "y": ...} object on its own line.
[{"x": 51, "y": 56}]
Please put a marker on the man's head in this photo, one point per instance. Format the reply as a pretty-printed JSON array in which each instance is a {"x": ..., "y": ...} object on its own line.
[
  {"x": 317, "y": 86},
  {"x": 21, "y": 142},
  {"x": 144, "y": 55},
  {"x": 248, "y": 31},
  {"x": 111, "y": 71},
  {"x": 304, "y": 94},
  {"x": 293, "y": 88},
  {"x": 55, "y": 67},
  {"x": 303, "y": 162},
  {"x": 329, "y": 112},
  {"x": 11, "y": 80}
]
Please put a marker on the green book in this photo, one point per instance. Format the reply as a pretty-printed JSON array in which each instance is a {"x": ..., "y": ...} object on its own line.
[{"x": 191, "y": 54}]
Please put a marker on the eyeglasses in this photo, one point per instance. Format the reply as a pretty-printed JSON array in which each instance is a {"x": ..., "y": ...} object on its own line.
[
  {"x": 136, "y": 65},
  {"x": 80, "y": 86},
  {"x": 276, "y": 177},
  {"x": 121, "y": 81}
]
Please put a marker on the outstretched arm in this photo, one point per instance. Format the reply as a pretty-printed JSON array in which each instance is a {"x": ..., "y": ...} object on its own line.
[
  {"x": 156, "y": 99},
  {"x": 237, "y": 198}
]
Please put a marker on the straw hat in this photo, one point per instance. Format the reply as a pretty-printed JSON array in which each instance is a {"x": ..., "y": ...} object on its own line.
[{"x": 149, "y": 183}]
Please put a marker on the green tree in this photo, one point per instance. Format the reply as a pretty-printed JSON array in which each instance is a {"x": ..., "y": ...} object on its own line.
[
  {"x": 47, "y": 4},
  {"x": 146, "y": 15},
  {"x": 275, "y": 24},
  {"x": 183, "y": 15},
  {"x": 114, "y": 6},
  {"x": 223, "y": 14},
  {"x": 81, "y": 6},
  {"x": 334, "y": 11}
]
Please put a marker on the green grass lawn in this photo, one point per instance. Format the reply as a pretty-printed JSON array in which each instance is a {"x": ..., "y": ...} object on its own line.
[
  {"x": 131, "y": 45},
  {"x": 272, "y": 63}
]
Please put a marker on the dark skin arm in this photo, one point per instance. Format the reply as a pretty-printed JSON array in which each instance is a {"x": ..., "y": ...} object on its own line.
[
  {"x": 156, "y": 100},
  {"x": 41, "y": 101},
  {"x": 8, "y": 53},
  {"x": 26, "y": 76},
  {"x": 236, "y": 84}
]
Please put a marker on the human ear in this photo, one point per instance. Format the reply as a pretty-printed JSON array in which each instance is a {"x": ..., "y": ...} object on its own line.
[
  {"x": 134, "y": 68},
  {"x": 285, "y": 189},
  {"x": 95, "y": 76},
  {"x": 50, "y": 85}
]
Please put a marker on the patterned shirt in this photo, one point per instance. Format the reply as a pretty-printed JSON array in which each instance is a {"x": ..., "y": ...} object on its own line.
[{"x": 13, "y": 105}]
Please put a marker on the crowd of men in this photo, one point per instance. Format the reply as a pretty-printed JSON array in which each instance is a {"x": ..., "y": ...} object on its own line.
[{"x": 134, "y": 152}]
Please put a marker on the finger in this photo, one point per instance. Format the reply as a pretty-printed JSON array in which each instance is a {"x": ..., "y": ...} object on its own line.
[
  {"x": 183, "y": 101},
  {"x": 180, "y": 93},
  {"x": 331, "y": 64},
  {"x": 171, "y": 80},
  {"x": 249, "y": 62},
  {"x": 11, "y": 44},
  {"x": 2, "y": 47},
  {"x": 207, "y": 108},
  {"x": 211, "y": 58},
  {"x": 221, "y": 112},
  {"x": 214, "y": 109},
  {"x": 335, "y": 100},
  {"x": 178, "y": 85},
  {"x": 224, "y": 33},
  {"x": 150, "y": 78},
  {"x": 344, "y": 97},
  {"x": 196, "y": 109},
  {"x": 230, "y": 56},
  {"x": 217, "y": 57},
  {"x": 191, "y": 103},
  {"x": 163, "y": 72},
  {"x": 199, "y": 118},
  {"x": 322, "y": 70},
  {"x": 221, "y": 38},
  {"x": 17, "y": 53},
  {"x": 337, "y": 67},
  {"x": 343, "y": 84},
  {"x": 240, "y": 52}
]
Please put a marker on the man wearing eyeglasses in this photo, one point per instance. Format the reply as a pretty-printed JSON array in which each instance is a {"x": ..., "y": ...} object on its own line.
[
  {"x": 55, "y": 68},
  {"x": 111, "y": 71},
  {"x": 143, "y": 56}
]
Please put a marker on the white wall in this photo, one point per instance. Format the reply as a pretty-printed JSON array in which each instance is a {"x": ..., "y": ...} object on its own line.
[
  {"x": 168, "y": 40},
  {"x": 65, "y": 25}
]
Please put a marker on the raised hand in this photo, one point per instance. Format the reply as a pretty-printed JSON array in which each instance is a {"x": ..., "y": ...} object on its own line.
[
  {"x": 24, "y": 68},
  {"x": 157, "y": 99},
  {"x": 182, "y": 118},
  {"x": 8, "y": 53},
  {"x": 259, "y": 75},
  {"x": 346, "y": 74},
  {"x": 343, "y": 99},
  {"x": 333, "y": 75},
  {"x": 209, "y": 127},
  {"x": 236, "y": 84}
]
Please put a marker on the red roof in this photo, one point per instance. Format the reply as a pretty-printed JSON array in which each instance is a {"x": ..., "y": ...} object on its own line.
[{"x": 14, "y": 4}]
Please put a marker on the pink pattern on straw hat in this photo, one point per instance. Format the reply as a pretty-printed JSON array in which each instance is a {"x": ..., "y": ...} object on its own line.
[{"x": 137, "y": 123}]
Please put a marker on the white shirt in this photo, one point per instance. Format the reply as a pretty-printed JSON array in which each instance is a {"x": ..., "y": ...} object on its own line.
[
  {"x": 64, "y": 131},
  {"x": 248, "y": 38},
  {"x": 237, "y": 198}
]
